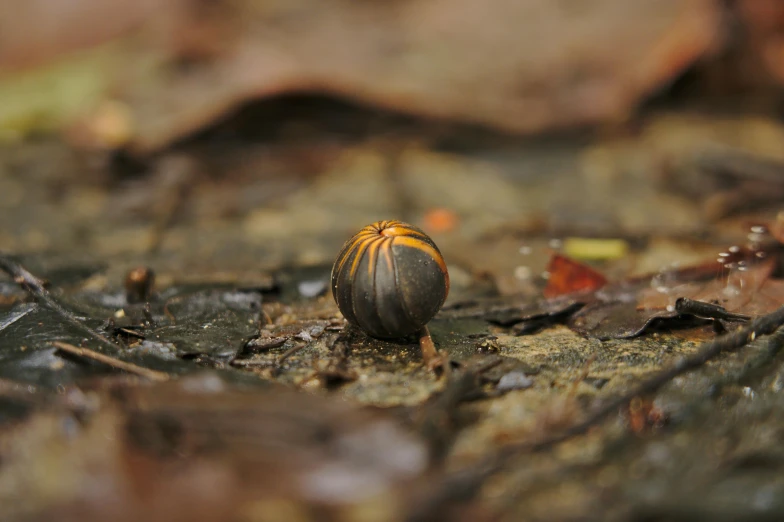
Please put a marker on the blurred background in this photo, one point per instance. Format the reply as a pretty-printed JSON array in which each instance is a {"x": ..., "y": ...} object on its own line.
[{"x": 256, "y": 134}]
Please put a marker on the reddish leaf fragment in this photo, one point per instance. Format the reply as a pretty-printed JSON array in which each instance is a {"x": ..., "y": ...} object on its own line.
[
  {"x": 568, "y": 276},
  {"x": 643, "y": 415}
]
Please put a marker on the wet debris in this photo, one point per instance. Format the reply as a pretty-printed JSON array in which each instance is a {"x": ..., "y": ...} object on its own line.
[
  {"x": 168, "y": 430},
  {"x": 740, "y": 284},
  {"x": 334, "y": 371},
  {"x": 274, "y": 336},
  {"x": 211, "y": 451},
  {"x": 488, "y": 346},
  {"x": 260, "y": 344},
  {"x": 642, "y": 415}
]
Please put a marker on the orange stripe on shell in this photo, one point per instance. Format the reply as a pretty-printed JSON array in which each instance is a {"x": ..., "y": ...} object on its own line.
[
  {"x": 356, "y": 242},
  {"x": 413, "y": 242}
]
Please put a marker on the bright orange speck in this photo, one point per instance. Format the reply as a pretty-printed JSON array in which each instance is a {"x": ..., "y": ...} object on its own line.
[{"x": 439, "y": 220}]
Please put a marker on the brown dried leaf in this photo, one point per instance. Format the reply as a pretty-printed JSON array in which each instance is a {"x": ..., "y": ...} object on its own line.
[{"x": 517, "y": 66}]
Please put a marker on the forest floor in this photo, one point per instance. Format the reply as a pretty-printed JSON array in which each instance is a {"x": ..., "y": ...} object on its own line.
[{"x": 246, "y": 397}]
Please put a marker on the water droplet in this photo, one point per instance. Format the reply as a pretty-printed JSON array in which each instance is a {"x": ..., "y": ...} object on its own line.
[
  {"x": 731, "y": 290},
  {"x": 665, "y": 280}
]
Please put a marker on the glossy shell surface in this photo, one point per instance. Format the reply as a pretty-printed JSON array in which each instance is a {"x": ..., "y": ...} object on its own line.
[{"x": 390, "y": 279}]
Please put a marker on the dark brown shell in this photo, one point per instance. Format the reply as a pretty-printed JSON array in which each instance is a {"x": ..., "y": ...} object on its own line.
[{"x": 390, "y": 279}]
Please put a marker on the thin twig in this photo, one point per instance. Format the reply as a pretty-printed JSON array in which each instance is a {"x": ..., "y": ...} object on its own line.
[
  {"x": 288, "y": 353},
  {"x": 35, "y": 287},
  {"x": 432, "y": 358},
  {"x": 153, "y": 375},
  {"x": 252, "y": 363}
]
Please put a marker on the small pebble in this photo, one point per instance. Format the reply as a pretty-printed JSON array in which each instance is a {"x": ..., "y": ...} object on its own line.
[
  {"x": 313, "y": 288},
  {"x": 514, "y": 381}
]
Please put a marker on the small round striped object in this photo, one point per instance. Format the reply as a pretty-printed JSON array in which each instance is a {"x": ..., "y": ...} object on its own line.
[{"x": 390, "y": 279}]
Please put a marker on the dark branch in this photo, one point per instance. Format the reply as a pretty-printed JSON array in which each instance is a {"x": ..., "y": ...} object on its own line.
[
  {"x": 35, "y": 288},
  {"x": 153, "y": 375}
]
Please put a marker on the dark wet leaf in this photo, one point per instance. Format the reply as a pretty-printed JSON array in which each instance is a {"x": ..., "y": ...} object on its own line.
[
  {"x": 214, "y": 322},
  {"x": 621, "y": 320},
  {"x": 25, "y": 350},
  {"x": 541, "y": 311}
]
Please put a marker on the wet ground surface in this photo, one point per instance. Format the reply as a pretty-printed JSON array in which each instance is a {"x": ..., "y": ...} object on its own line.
[{"x": 241, "y": 232}]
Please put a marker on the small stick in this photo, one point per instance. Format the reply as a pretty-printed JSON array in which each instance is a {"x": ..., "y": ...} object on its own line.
[
  {"x": 35, "y": 287},
  {"x": 153, "y": 375},
  {"x": 430, "y": 355},
  {"x": 251, "y": 363},
  {"x": 288, "y": 353}
]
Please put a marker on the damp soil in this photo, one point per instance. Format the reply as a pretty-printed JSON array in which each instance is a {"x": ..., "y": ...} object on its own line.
[{"x": 241, "y": 236}]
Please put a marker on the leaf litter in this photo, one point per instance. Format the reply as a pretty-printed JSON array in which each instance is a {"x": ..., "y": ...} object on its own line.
[{"x": 613, "y": 409}]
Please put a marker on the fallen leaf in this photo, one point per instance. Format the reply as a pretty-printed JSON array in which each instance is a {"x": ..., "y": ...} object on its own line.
[{"x": 568, "y": 276}]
